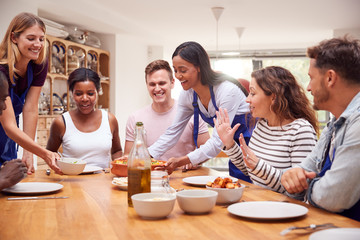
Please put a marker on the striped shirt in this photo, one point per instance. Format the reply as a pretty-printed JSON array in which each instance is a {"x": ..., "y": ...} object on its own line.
[{"x": 277, "y": 148}]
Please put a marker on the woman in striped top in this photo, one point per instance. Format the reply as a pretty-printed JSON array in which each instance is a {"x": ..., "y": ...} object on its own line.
[{"x": 284, "y": 134}]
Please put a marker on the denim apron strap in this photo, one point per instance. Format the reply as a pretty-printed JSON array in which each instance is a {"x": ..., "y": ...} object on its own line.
[
  {"x": 197, "y": 111},
  {"x": 354, "y": 211},
  {"x": 8, "y": 149},
  {"x": 233, "y": 170},
  {"x": 196, "y": 119}
]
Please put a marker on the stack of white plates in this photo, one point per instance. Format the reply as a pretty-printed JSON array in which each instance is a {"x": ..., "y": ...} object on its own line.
[{"x": 55, "y": 29}]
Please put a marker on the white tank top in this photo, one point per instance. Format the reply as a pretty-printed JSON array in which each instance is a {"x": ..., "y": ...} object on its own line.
[{"x": 93, "y": 147}]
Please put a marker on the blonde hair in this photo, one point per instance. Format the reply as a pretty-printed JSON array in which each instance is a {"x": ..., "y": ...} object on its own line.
[{"x": 9, "y": 51}]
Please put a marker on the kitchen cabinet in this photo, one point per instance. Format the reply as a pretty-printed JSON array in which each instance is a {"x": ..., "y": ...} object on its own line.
[{"x": 65, "y": 56}]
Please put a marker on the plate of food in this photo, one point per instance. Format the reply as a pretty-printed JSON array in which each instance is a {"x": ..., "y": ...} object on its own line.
[
  {"x": 121, "y": 182},
  {"x": 202, "y": 180}
]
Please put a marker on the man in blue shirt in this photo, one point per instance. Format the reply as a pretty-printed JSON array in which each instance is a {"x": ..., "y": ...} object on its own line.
[{"x": 329, "y": 177}]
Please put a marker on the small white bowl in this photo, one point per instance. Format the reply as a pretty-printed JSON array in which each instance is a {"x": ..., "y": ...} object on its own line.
[
  {"x": 226, "y": 195},
  {"x": 71, "y": 166},
  {"x": 153, "y": 205},
  {"x": 196, "y": 201}
]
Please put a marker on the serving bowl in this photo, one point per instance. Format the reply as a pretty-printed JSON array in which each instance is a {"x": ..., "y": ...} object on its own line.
[
  {"x": 227, "y": 195},
  {"x": 71, "y": 166},
  {"x": 119, "y": 169},
  {"x": 196, "y": 201},
  {"x": 153, "y": 205}
]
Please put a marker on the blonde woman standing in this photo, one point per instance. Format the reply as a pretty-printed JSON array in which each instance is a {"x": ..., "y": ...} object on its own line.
[{"x": 23, "y": 61}]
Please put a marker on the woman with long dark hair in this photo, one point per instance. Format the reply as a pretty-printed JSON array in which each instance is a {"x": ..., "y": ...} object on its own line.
[{"x": 205, "y": 91}]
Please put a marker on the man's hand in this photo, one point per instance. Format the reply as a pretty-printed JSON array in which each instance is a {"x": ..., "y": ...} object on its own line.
[
  {"x": 295, "y": 180},
  {"x": 11, "y": 173}
]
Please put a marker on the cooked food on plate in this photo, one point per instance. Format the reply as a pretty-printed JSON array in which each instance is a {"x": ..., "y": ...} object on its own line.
[{"x": 220, "y": 182}]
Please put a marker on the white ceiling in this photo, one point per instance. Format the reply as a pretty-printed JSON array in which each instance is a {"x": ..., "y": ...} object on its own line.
[{"x": 267, "y": 23}]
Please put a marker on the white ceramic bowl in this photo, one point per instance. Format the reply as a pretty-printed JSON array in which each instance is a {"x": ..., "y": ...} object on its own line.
[
  {"x": 226, "y": 195},
  {"x": 71, "y": 166},
  {"x": 153, "y": 205},
  {"x": 196, "y": 201}
]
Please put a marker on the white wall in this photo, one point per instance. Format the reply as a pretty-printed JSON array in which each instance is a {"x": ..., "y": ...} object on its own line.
[
  {"x": 10, "y": 8},
  {"x": 130, "y": 93}
]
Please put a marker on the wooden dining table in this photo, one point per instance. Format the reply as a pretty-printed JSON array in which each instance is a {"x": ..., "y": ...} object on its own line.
[{"x": 97, "y": 209}]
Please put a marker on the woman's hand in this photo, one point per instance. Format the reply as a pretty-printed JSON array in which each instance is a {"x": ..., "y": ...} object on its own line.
[
  {"x": 173, "y": 163},
  {"x": 28, "y": 160},
  {"x": 248, "y": 155},
  {"x": 223, "y": 128},
  {"x": 50, "y": 159},
  {"x": 190, "y": 166}
]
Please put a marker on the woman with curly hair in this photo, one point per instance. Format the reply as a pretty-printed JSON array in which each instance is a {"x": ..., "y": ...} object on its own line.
[{"x": 285, "y": 133}]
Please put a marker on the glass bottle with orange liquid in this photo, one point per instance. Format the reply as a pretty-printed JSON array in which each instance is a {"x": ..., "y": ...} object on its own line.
[{"x": 139, "y": 165}]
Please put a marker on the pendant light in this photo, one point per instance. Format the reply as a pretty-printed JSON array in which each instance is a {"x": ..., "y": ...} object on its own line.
[
  {"x": 239, "y": 31},
  {"x": 217, "y": 11}
]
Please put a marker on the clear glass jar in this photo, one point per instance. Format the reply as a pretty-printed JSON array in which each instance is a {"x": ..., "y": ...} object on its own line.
[{"x": 160, "y": 182}]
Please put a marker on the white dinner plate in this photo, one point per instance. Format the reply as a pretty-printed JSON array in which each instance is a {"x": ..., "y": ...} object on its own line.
[
  {"x": 267, "y": 210},
  {"x": 34, "y": 188},
  {"x": 91, "y": 169},
  {"x": 203, "y": 180},
  {"x": 336, "y": 234}
]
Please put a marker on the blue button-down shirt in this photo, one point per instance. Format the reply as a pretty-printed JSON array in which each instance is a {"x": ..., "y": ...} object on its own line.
[{"x": 339, "y": 188}]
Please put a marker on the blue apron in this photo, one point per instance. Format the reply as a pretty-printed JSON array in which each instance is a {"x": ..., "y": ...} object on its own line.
[
  {"x": 354, "y": 211},
  {"x": 243, "y": 119},
  {"x": 8, "y": 149}
]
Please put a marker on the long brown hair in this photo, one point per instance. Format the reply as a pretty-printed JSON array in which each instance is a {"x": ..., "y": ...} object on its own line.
[
  {"x": 9, "y": 52},
  {"x": 290, "y": 100}
]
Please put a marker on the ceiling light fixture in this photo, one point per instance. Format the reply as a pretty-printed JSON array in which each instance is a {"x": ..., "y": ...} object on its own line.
[
  {"x": 217, "y": 11},
  {"x": 239, "y": 31}
]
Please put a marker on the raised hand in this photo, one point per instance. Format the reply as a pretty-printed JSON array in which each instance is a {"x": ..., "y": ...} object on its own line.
[
  {"x": 223, "y": 128},
  {"x": 248, "y": 155}
]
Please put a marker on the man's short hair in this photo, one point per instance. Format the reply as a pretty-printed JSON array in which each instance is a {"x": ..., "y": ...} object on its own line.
[
  {"x": 158, "y": 65},
  {"x": 339, "y": 54}
]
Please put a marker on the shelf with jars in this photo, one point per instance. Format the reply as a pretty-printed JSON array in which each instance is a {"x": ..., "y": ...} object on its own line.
[{"x": 65, "y": 56}]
